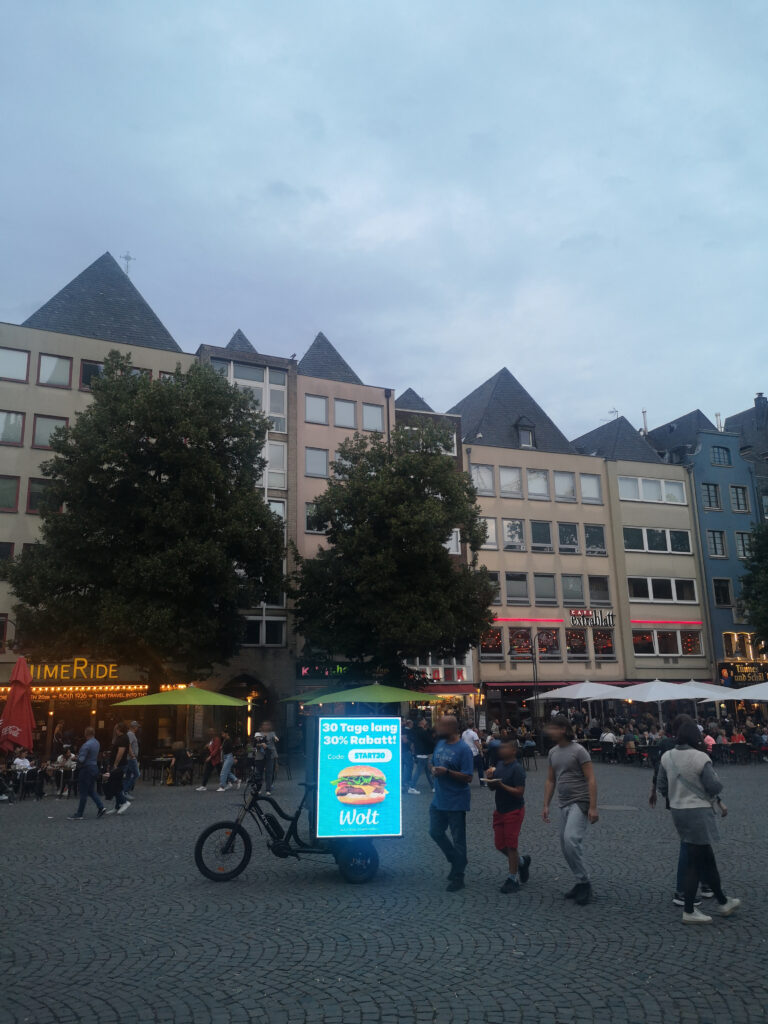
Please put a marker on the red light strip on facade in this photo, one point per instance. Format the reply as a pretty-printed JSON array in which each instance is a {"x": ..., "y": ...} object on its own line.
[
  {"x": 528, "y": 620},
  {"x": 664, "y": 622}
]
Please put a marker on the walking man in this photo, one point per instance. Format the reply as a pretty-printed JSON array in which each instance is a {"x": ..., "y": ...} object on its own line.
[
  {"x": 227, "y": 778},
  {"x": 118, "y": 760},
  {"x": 472, "y": 740},
  {"x": 423, "y": 745},
  {"x": 507, "y": 781},
  {"x": 452, "y": 767},
  {"x": 88, "y": 759},
  {"x": 132, "y": 764},
  {"x": 572, "y": 772}
]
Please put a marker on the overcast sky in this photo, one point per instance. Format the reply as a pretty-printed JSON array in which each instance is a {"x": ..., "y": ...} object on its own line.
[{"x": 574, "y": 190}]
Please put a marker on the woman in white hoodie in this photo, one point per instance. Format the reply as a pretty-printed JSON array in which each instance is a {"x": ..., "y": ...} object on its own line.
[{"x": 688, "y": 780}]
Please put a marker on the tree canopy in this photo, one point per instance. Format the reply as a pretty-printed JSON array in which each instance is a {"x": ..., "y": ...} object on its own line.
[
  {"x": 755, "y": 582},
  {"x": 155, "y": 531},
  {"x": 386, "y": 588}
]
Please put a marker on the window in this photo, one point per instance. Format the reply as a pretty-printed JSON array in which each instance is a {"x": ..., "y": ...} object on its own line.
[
  {"x": 14, "y": 365},
  {"x": 495, "y": 583},
  {"x": 680, "y": 591},
  {"x": 277, "y": 406},
  {"x": 520, "y": 647},
  {"x": 544, "y": 588},
  {"x": 573, "y": 590},
  {"x": 599, "y": 593},
  {"x": 679, "y": 542},
  {"x": 538, "y": 484},
  {"x": 315, "y": 409},
  {"x": 278, "y": 377},
  {"x": 513, "y": 534},
  {"x": 605, "y": 649},
  {"x": 591, "y": 488},
  {"x": 6, "y": 551},
  {"x": 316, "y": 462},
  {"x": 344, "y": 413},
  {"x": 743, "y": 544},
  {"x": 723, "y": 592},
  {"x": 517, "y": 587},
  {"x": 312, "y": 523},
  {"x": 11, "y": 428},
  {"x": 567, "y": 538},
  {"x": 277, "y": 454},
  {"x": 565, "y": 486},
  {"x": 166, "y": 375},
  {"x": 482, "y": 478},
  {"x": 711, "y": 495},
  {"x": 594, "y": 539},
  {"x": 491, "y": 647},
  {"x": 373, "y": 417},
  {"x": 667, "y": 642},
  {"x": 490, "y": 528},
  {"x": 526, "y": 437},
  {"x": 36, "y": 491},
  {"x": 266, "y": 386},
  {"x": 252, "y": 632},
  {"x": 241, "y": 371},
  {"x": 548, "y": 644},
  {"x": 541, "y": 536},
  {"x": 453, "y": 544},
  {"x": 54, "y": 371},
  {"x": 510, "y": 482},
  {"x": 716, "y": 543},
  {"x": 274, "y": 633},
  {"x": 739, "y": 499},
  {"x": 634, "y": 539},
  {"x": 88, "y": 371},
  {"x": 720, "y": 456},
  {"x": 44, "y": 426},
  {"x": 690, "y": 642},
  {"x": 632, "y": 488},
  {"x": 576, "y": 644},
  {"x": 643, "y": 641},
  {"x": 9, "y": 493},
  {"x": 659, "y": 541}
]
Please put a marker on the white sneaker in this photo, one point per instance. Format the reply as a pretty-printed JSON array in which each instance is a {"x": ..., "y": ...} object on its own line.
[
  {"x": 239, "y": 783},
  {"x": 696, "y": 918},
  {"x": 123, "y": 808},
  {"x": 414, "y": 791},
  {"x": 268, "y": 793},
  {"x": 111, "y": 810},
  {"x": 201, "y": 789},
  {"x": 229, "y": 786},
  {"x": 727, "y": 908},
  {"x": 222, "y": 789}
]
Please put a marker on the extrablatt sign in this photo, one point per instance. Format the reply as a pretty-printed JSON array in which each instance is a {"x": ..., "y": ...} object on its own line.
[{"x": 358, "y": 778}]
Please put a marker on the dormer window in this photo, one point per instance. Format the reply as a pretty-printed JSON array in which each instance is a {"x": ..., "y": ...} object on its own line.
[{"x": 526, "y": 437}]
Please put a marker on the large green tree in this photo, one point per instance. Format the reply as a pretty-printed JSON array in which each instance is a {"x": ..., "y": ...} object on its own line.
[
  {"x": 755, "y": 582},
  {"x": 385, "y": 587},
  {"x": 155, "y": 531}
]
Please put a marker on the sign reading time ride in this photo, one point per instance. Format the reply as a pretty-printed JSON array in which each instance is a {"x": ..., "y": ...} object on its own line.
[{"x": 358, "y": 778}]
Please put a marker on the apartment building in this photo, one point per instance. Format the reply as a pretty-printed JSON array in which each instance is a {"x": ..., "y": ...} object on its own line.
[
  {"x": 751, "y": 425},
  {"x": 660, "y": 601},
  {"x": 727, "y": 505}
]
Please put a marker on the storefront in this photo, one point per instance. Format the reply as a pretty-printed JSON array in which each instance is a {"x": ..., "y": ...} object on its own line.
[{"x": 459, "y": 699}]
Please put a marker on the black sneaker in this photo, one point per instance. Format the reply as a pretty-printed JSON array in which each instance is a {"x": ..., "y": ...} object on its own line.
[
  {"x": 525, "y": 868},
  {"x": 101, "y": 813},
  {"x": 679, "y": 900},
  {"x": 584, "y": 894},
  {"x": 510, "y": 885},
  {"x": 572, "y": 893},
  {"x": 74, "y": 817},
  {"x": 454, "y": 885}
]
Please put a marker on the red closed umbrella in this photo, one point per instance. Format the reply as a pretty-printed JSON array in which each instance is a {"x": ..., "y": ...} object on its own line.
[{"x": 17, "y": 722}]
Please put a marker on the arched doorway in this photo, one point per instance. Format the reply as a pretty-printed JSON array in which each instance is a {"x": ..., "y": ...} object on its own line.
[{"x": 261, "y": 701}]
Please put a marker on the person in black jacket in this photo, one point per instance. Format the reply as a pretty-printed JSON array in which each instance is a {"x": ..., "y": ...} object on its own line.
[{"x": 423, "y": 744}]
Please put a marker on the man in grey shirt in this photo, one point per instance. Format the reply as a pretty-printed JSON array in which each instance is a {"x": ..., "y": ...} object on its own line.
[{"x": 572, "y": 772}]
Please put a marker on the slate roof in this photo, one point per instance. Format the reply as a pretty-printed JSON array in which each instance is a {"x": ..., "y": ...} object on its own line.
[
  {"x": 680, "y": 433},
  {"x": 102, "y": 303},
  {"x": 322, "y": 360},
  {"x": 239, "y": 343},
  {"x": 412, "y": 402},
  {"x": 751, "y": 424},
  {"x": 498, "y": 407},
  {"x": 618, "y": 441}
]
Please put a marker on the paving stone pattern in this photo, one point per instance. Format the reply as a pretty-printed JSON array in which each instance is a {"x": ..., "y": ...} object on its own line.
[{"x": 109, "y": 920}]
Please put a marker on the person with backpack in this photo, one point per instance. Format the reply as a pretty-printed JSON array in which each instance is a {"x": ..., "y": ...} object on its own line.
[{"x": 688, "y": 780}]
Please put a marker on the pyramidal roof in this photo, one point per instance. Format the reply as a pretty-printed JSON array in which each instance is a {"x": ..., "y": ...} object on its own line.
[
  {"x": 102, "y": 303},
  {"x": 322, "y": 360},
  {"x": 239, "y": 343},
  {"x": 680, "y": 432},
  {"x": 493, "y": 413},
  {"x": 411, "y": 402},
  {"x": 618, "y": 441}
]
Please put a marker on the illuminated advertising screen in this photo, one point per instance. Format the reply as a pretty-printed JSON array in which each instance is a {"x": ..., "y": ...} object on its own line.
[{"x": 358, "y": 778}]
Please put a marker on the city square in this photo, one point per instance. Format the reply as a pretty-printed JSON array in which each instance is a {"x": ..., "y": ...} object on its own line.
[{"x": 292, "y": 943}]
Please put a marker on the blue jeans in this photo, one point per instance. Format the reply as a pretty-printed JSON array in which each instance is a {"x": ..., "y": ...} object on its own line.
[
  {"x": 131, "y": 774},
  {"x": 226, "y": 770},
  {"x": 407, "y": 767},
  {"x": 86, "y": 787},
  {"x": 573, "y": 828},
  {"x": 421, "y": 764},
  {"x": 456, "y": 851}
]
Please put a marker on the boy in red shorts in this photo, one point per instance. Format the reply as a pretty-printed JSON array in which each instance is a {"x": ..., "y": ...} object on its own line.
[{"x": 507, "y": 782}]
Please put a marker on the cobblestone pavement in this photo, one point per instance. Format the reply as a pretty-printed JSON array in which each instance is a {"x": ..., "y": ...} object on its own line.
[{"x": 110, "y": 921}]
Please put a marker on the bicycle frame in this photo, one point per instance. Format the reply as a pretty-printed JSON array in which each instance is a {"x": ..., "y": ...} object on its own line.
[{"x": 291, "y": 843}]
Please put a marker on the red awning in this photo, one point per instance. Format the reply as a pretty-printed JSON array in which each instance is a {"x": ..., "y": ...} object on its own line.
[{"x": 451, "y": 688}]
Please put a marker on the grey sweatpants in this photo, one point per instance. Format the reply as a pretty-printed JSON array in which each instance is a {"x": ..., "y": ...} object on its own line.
[{"x": 573, "y": 825}]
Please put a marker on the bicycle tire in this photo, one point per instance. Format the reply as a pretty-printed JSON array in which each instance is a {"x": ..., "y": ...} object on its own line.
[
  {"x": 358, "y": 862},
  {"x": 218, "y": 873}
]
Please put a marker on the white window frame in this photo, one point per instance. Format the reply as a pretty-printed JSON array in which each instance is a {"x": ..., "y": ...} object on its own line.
[
  {"x": 572, "y": 602},
  {"x": 510, "y": 493},
  {"x": 539, "y": 546},
  {"x": 491, "y": 541},
  {"x": 277, "y": 479},
  {"x": 568, "y": 549},
  {"x": 666, "y": 485},
  {"x": 572, "y": 476},
  {"x": 316, "y": 476},
  {"x": 308, "y": 400},
  {"x": 659, "y": 529},
  {"x": 343, "y": 403},
  {"x": 597, "y": 602},
  {"x": 537, "y": 497},
  {"x": 516, "y": 601},
  {"x": 591, "y": 476},
  {"x": 545, "y": 602},
  {"x": 476, "y": 470},
  {"x": 674, "y": 580},
  {"x": 516, "y": 545},
  {"x": 592, "y": 553},
  {"x": 656, "y": 653},
  {"x": 453, "y": 544},
  {"x": 367, "y": 406}
]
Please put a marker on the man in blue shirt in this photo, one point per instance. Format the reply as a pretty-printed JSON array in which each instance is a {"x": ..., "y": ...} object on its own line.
[
  {"x": 452, "y": 768},
  {"x": 88, "y": 759}
]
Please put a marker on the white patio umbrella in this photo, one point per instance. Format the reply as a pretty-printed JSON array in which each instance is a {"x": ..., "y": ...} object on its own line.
[
  {"x": 758, "y": 692},
  {"x": 583, "y": 691},
  {"x": 657, "y": 691}
]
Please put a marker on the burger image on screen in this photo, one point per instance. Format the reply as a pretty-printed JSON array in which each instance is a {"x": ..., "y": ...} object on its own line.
[{"x": 360, "y": 784}]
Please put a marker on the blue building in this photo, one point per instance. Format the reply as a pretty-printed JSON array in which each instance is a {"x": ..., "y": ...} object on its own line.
[{"x": 727, "y": 508}]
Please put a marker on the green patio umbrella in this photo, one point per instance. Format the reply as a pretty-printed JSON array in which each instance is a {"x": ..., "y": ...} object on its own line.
[
  {"x": 374, "y": 693},
  {"x": 302, "y": 698},
  {"x": 188, "y": 696}
]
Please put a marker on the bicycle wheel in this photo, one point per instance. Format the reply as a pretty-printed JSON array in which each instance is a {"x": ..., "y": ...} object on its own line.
[
  {"x": 222, "y": 851},
  {"x": 358, "y": 862}
]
